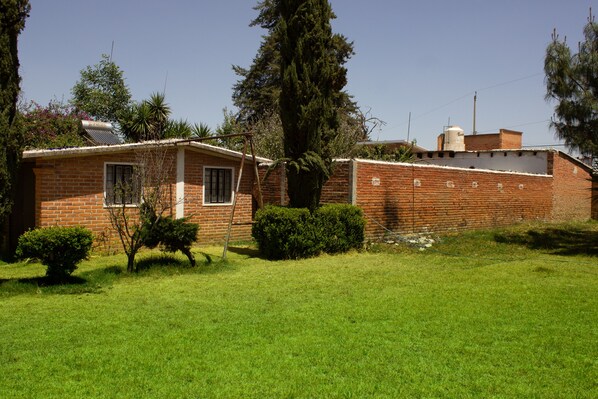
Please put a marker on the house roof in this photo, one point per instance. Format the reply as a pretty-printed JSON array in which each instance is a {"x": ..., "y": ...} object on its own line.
[
  {"x": 120, "y": 148},
  {"x": 521, "y": 150},
  {"x": 404, "y": 143}
]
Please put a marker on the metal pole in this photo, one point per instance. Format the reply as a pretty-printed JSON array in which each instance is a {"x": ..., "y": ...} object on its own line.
[
  {"x": 232, "y": 213},
  {"x": 260, "y": 198},
  {"x": 475, "y": 100},
  {"x": 409, "y": 127}
]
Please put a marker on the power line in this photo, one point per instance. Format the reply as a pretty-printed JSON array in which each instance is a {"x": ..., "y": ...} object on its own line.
[
  {"x": 512, "y": 126},
  {"x": 471, "y": 93}
]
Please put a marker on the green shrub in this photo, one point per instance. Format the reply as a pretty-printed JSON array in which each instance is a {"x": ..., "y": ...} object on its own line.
[
  {"x": 173, "y": 234},
  {"x": 58, "y": 248},
  {"x": 286, "y": 233},
  {"x": 291, "y": 233},
  {"x": 343, "y": 225}
]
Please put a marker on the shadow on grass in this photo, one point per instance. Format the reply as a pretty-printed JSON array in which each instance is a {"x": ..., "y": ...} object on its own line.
[
  {"x": 245, "y": 251},
  {"x": 46, "y": 281},
  {"x": 160, "y": 261},
  {"x": 90, "y": 282},
  {"x": 558, "y": 241}
]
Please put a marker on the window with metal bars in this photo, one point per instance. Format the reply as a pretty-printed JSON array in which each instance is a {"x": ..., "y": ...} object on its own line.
[
  {"x": 218, "y": 185},
  {"x": 121, "y": 188}
]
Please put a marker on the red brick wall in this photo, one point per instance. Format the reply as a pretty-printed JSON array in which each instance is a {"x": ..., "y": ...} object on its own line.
[
  {"x": 595, "y": 198},
  {"x": 336, "y": 190},
  {"x": 418, "y": 198},
  {"x": 505, "y": 140},
  {"x": 69, "y": 192},
  {"x": 572, "y": 191},
  {"x": 510, "y": 140},
  {"x": 442, "y": 199},
  {"x": 213, "y": 219},
  {"x": 482, "y": 142}
]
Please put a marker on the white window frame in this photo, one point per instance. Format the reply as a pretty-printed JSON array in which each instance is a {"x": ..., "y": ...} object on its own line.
[
  {"x": 232, "y": 186},
  {"x": 106, "y": 205}
]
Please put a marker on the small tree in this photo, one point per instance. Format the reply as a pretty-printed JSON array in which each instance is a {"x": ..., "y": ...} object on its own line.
[
  {"x": 172, "y": 234},
  {"x": 572, "y": 80},
  {"x": 101, "y": 91},
  {"x": 147, "y": 186}
]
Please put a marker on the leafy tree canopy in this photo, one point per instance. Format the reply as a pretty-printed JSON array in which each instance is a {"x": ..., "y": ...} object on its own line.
[
  {"x": 572, "y": 81},
  {"x": 56, "y": 125},
  {"x": 101, "y": 92},
  {"x": 150, "y": 120}
]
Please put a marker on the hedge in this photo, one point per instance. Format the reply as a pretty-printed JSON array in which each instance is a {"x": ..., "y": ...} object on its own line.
[{"x": 293, "y": 233}]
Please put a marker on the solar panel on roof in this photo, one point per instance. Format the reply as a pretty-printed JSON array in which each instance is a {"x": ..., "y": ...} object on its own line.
[{"x": 103, "y": 137}]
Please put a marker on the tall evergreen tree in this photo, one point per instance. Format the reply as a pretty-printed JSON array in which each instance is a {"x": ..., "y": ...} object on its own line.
[
  {"x": 312, "y": 80},
  {"x": 12, "y": 21},
  {"x": 256, "y": 94},
  {"x": 572, "y": 80}
]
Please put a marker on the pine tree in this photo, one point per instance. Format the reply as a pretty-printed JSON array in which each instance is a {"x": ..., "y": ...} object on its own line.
[
  {"x": 12, "y": 21},
  {"x": 572, "y": 80},
  {"x": 312, "y": 78},
  {"x": 256, "y": 94}
]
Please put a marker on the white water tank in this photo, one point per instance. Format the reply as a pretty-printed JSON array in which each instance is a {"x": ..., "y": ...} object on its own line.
[{"x": 454, "y": 139}]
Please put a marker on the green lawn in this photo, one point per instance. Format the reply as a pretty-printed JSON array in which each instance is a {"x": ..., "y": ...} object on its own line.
[{"x": 504, "y": 314}]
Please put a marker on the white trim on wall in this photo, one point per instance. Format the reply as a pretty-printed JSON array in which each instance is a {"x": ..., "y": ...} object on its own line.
[{"x": 180, "y": 184}]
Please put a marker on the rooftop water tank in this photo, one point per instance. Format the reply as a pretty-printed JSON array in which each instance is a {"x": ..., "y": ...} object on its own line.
[{"x": 454, "y": 139}]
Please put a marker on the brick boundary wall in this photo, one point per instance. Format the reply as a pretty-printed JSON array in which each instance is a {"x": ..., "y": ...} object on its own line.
[
  {"x": 410, "y": 198},
  {"x": 406, "y": 198},
  {"x": 572, "y": 189}
]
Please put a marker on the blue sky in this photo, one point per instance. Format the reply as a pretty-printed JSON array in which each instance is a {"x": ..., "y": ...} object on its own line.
[{"x": 426, "y": 57}]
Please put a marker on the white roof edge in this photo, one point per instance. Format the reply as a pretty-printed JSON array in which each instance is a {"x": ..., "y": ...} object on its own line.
[
  {"x": 109, "y": 149},
  {"x": 418, "y": 165}
]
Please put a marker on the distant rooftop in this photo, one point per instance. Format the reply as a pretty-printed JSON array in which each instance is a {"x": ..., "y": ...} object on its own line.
[{"x": 394, "y": 144}]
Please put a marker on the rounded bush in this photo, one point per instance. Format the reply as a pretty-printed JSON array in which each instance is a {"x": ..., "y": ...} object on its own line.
[
  {"x": 344, "y": 227},
  {"x": 292, "y": 233},
  {"x": 60, "y": 249},
  {"x": 286, "y": 233}
]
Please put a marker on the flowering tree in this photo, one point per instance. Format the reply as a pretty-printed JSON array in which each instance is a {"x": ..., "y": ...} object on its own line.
[{"x": 53, "y": 126}]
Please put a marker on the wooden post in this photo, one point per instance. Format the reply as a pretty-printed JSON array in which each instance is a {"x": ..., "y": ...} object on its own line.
[
  {"x": 260, "y": 198},
  {"x": 232, "y": 213}
]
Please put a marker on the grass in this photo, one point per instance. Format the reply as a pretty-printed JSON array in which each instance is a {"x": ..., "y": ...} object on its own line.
[{"x": 479, "y": 314}]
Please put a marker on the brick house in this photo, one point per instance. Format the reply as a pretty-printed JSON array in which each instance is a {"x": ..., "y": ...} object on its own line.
[
  {"x": 441, "y": 191},
  {"x": 75, "y": 186}
]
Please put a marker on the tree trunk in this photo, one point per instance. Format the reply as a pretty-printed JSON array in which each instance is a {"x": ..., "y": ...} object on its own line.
[
  {"x": 187, "y": 252},
  {"x": 131, "y": 262}
]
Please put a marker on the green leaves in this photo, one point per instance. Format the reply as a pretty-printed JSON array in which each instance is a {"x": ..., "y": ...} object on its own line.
[
  {"x": 572, "y": 81},
  {"x": 312, "y": 80},
  {"x": 101, "y": 91},
  {"x": 58, "y": 248}
]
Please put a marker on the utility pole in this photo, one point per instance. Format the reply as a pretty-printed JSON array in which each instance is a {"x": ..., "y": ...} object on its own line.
[
  {"x": 475, "y": 100},
  {"x": 409, "y": 126}
]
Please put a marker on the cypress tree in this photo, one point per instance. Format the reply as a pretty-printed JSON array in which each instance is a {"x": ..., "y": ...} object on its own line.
[
  {"x": 312, "y": 77},
  {"x": 12, "y": 21}
]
